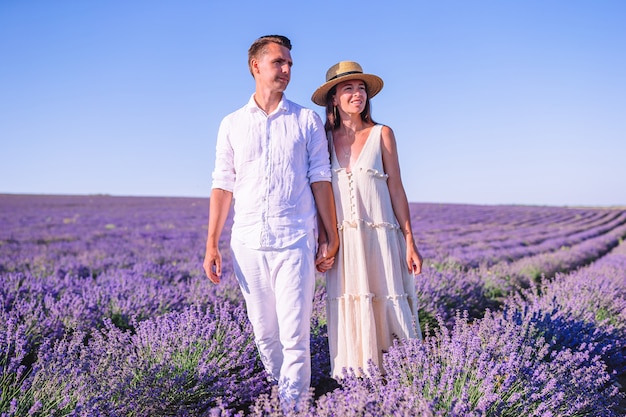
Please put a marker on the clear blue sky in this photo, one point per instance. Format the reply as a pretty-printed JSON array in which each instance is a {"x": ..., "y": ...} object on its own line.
[{"x": 492, "y": 102}]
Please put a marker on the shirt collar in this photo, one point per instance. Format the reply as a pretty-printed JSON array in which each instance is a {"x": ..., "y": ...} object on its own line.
[{"x": 283, "y": 105}]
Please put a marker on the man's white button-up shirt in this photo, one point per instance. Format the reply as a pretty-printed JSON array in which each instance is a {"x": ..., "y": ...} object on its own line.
[{"x": 269, "y": 162}]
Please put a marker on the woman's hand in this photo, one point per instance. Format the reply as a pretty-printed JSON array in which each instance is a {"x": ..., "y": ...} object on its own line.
[{"x": 413, "y": 259}]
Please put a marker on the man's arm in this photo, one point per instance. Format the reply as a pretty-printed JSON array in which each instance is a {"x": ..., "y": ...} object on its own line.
[
  {"x": 325, "y": 202},
  {"x": 219, "y": 206}
]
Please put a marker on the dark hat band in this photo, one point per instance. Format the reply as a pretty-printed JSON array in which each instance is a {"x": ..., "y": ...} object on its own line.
[{"x": 343, "y": 74}]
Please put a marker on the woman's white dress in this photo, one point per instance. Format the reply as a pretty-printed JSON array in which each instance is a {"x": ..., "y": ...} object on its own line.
[{"x": 370, "y": 292}]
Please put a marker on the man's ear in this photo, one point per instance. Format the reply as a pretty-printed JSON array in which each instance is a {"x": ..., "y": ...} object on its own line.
[{"x": 254, "y": 64}]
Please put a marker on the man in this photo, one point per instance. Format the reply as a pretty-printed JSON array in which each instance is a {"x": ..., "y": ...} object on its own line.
[{"x": 272, "y": 160}]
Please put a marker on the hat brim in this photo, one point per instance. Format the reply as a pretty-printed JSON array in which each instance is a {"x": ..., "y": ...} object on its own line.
[{"x": 373, "y": 82}]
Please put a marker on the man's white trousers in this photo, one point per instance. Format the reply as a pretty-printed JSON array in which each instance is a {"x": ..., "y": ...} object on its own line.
[{"x": 278, "y": 286}]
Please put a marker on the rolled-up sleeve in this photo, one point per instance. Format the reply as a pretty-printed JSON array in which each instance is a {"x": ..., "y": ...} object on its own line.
[
  {"x": 319, "y": 158},
  {"x": 224, "y": 171}
]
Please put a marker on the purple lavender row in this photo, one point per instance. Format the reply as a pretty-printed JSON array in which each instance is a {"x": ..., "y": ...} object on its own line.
[
  {"x": 443, "y": 291},
  {"x": 587, "y": 306},
  {"x": 503, "y": 243},
  {"x": 567, "y": 238},
  {"x": 531, "y": 268}
]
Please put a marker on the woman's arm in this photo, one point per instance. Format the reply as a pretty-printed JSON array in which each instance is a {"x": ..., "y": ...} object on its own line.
[{"x": 399, "y": 200}]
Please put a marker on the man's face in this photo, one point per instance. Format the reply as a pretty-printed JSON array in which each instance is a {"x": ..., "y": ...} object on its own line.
[{"x": 273, "y": 68}]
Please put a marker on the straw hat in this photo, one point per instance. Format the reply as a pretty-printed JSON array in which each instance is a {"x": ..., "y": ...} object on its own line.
[{"x": 344, "y": 71}]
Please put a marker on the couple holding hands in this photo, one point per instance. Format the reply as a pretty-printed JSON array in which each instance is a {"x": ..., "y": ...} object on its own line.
[{"x": 309, "y": 196}]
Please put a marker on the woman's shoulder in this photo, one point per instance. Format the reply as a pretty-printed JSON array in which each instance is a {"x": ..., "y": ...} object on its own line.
[
  {"x": 388, "y": 139},
  {"x": 385, "y": 128},
  {"x": 386, "y": 133}
]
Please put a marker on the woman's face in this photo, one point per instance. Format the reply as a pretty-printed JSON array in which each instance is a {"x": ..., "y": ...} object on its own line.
[{"x": 351, "y": 96}]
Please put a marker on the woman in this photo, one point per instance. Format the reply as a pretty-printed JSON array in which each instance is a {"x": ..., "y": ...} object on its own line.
[{"x": 370, "y": 282}]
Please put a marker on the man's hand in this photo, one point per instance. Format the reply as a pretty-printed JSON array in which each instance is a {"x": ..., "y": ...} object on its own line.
[{"x": 213, "y": 265}]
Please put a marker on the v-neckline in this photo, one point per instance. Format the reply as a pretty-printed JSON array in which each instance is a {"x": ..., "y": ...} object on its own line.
[{"x": 356, "y": 160}]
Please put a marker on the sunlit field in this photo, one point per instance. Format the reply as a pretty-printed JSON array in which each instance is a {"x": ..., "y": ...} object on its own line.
[{"x": 105, "y": 311}]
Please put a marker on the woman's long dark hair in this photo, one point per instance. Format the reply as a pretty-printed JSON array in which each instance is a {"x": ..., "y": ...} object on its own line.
[{"x": 333, "y": 119}]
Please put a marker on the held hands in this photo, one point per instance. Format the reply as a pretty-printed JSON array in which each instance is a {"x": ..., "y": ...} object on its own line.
[
  {"x": 326, "y": 255},
  {"x": 322, "y": 261}
]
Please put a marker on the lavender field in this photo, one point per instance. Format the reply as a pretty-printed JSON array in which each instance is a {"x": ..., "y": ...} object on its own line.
[{"x": 105, "y": 311}]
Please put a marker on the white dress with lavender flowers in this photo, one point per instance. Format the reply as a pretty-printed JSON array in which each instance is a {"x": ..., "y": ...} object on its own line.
[{"x": 370, "y": 292}]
